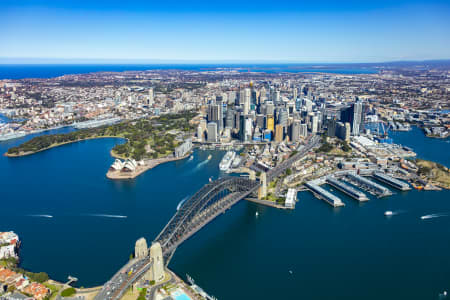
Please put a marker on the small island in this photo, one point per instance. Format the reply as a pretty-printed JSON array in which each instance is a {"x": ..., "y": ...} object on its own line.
[{"x": 149, "y": 142}]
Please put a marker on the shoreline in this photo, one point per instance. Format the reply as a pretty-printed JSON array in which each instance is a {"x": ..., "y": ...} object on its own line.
[
  {"x": 118, "y": 175},
  {"x": 21, "y": 154}
]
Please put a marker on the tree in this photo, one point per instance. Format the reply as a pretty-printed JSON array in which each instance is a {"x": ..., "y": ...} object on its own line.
[{"x": 68, "y": 292}]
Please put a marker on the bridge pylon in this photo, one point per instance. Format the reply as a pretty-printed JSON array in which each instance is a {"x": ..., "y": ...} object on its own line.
[
  {"x": 262, "y": 191},
  {"x": 156, "y": 271}
]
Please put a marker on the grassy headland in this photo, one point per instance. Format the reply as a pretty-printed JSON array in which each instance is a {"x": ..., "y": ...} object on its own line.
[
  {"x": 437, "y": 173},
  {"x": 146, "y": 138}
]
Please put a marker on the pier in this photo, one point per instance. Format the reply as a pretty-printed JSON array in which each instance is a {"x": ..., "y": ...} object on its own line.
[
  {"x": 320, "y": 193},
  {"x": 400, "y": 185},
  {"x": 368, "y": 185},
  {"x": 345, "y": 188}
]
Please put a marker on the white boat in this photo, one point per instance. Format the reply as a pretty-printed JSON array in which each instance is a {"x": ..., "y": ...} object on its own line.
[
  {"x": 236, "y": 161},
  {"x": 388, "y": 213},
  {"x": 227, "y": 160},
  {"x": 191, "y": 157},
  {"x": 13, "y": 135},
  {"x": 256, "y": 214},
  {"x": 209, "y": 157}
]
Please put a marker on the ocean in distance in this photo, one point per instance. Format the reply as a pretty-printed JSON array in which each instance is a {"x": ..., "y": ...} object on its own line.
[
  {"x": 20, "y": 71},
  {"x": 353, "y": 252}
]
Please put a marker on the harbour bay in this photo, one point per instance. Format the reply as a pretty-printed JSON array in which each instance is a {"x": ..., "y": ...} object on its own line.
[{"x": 344, "y": 249}]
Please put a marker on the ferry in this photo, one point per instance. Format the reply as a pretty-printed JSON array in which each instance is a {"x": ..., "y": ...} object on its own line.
[
  {"x": 236, "y": 161},
  {"x": 225, "y": 164}
]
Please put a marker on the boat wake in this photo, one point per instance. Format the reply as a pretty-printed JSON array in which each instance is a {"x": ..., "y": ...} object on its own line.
[
  {"x": 40, "y": 216},
  {"x": 201, "y": 164},
  {"x": 397, "y": 212},
  {"x": 182, "y": 202},
  {"x": 432, "y": 216},
  {"x": 106, "y": 216}
]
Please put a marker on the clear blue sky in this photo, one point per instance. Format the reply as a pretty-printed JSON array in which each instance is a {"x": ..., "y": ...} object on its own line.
[{"x": 235, "y": 30}]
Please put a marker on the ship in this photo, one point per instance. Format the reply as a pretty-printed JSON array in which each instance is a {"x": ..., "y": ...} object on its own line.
[
  {"x": 12, "y": 135},
  {"x": 236, "y": 161},
  {"x": 96, "y": 123},
  {"x": 227, "y": 160}
]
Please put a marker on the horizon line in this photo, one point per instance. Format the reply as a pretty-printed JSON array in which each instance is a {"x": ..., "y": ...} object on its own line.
[{"x": 40, "y": 61}]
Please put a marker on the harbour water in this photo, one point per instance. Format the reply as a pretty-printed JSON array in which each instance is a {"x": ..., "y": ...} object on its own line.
[
  {"x": 19, "y": 71},
  {"x": 312, "y": 252}
]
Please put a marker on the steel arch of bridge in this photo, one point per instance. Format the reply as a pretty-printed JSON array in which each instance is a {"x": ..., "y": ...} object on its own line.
[{"x": 210, "y": 201}]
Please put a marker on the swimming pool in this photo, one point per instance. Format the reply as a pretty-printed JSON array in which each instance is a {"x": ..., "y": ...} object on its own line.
[{"x": 180, "y": 295}]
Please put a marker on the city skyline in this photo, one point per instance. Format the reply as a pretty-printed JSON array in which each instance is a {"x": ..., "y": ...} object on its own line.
[{"x": 301, "y": 32}]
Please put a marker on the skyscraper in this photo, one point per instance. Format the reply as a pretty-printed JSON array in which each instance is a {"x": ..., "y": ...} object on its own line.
[
  {"x": 245, "y": 100},
  {"x": 354, "y": 115},
  {"x": 270, "y": 122},
  {"x": 212, "y": 132},
  {"x": 279, "y": 133},
  {"x": 150, "y": 97},
  {"x": 295, "y": 130}
]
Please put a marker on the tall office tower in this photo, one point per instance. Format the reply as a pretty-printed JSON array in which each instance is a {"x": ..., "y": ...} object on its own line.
[
  {"x": 212, "y": 132},
  {"x": 298, "y": 104},
  {"x": 231, "y": 95},
  {"x": 262, "y": 95},
  {"x": 200, "y": 133},
  {"x": 279, "y": 133},
  {"x": 244, "y": 100},
  {"x": 270, "y": 122},
  {"x": 248, "y": 129},
  {"x": 290, "y": 106},
  {"x": 354, "y": 115},
  {"x": 331, "y": 127},
  {"x": 150, "y": 100},
  {"x": 308, "y": 104},
  {"x": 237, "y": 120},
  {"x": 294, "y": 96},
  {"x": 343, "y": 131},
  {"x": 219, "y": 120},
  {"x": 254, "y": 96},
  {"x": 314, "y": 124},
  {"x": 276, "y": 97},
  {"x": 295, "y": 131},
  {"x": 303, "y": 130},
  {"x": 242, "y": 128},
  {"x": 270, "y": 108},
  {"x": 229, "y": 120},
  {"x": 282, "y": 117},
  {"x": 260, "y": 121},
  {"x": 215, "y": 114}
]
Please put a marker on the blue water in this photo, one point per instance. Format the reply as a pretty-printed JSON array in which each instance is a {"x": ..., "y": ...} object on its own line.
[
  {"x": 48, "y": 71},
  {"x": 352, "y": 252},
  {"x": 437, "y": 150},
  {"x": 4, "y": 119}
]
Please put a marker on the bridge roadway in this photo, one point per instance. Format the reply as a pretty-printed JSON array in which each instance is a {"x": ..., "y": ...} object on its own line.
[{"x": 210, "y": 201}]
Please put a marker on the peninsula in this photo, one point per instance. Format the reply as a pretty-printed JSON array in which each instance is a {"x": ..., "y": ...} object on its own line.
[{"x": 146, "y": 138}]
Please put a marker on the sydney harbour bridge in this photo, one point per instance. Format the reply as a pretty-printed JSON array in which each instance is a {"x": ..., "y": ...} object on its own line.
[{"x": 204, "y": 206}]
